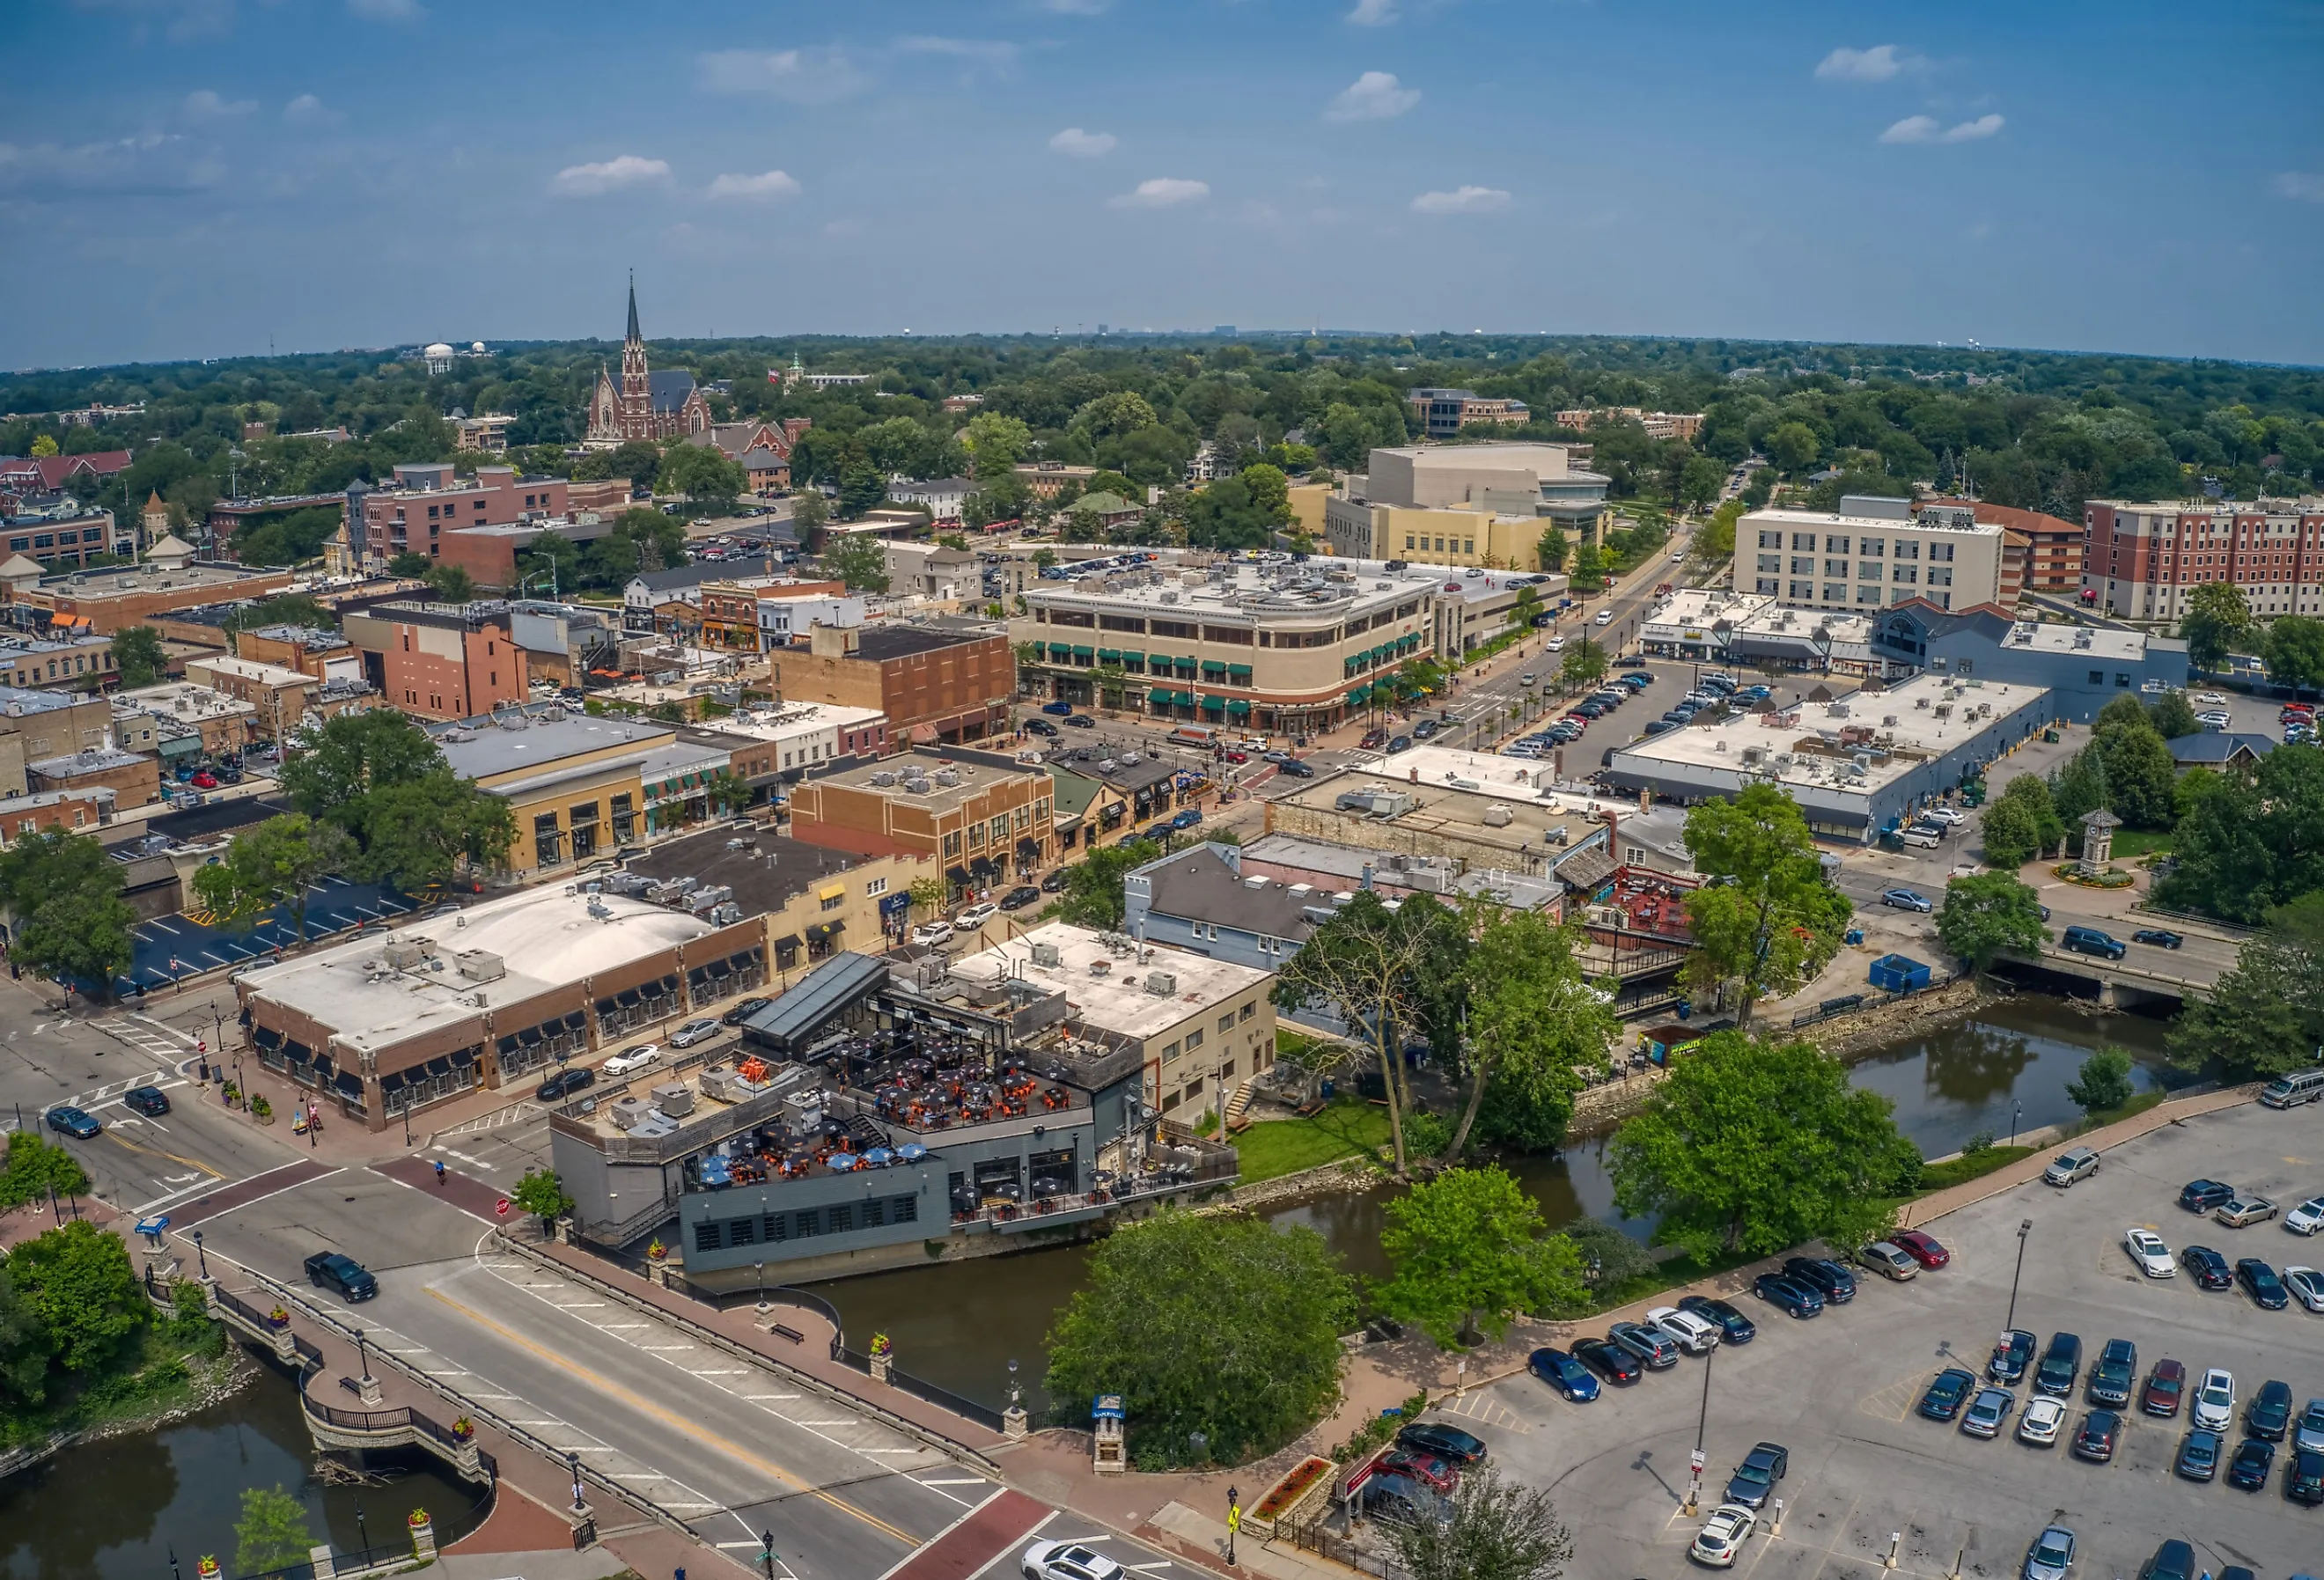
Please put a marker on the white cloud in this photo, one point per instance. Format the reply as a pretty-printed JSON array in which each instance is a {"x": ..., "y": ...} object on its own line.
[
  {"x": 1461, "y": 200},
  {"x": 769, "y": 187},
  {"x": 2302, "y": 185},
  {"x": 1084, "y": 144},
  {"x": 1162, "y": 192},
  {"x": 152, "y": 165},
  {"x": 387, "y": 10},
  {"x": 1929, "y": 129},
  {"x": 995, "y": 52},
  {"x": 801, "y": 76},
  {"x": 588, "y": 181},
  {"x": 306, "y": 110},
  {"x": 1376, "y": 96},
  {"x": 1876, "y": 64},
  {"x": 202, "y": 105},
  {"x": 1075, "y": 7},
  {"x": 1373, "y": 12}
]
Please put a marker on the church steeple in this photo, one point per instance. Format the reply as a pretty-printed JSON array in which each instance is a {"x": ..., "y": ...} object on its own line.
[
  {"x": 633, "y": 334},
  {"x": 636, "y": 399}
]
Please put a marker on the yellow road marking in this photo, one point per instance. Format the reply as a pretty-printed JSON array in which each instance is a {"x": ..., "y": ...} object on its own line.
[
  {"x": 112, "y": 1135},
  {"x": 672, "y": 1418}
]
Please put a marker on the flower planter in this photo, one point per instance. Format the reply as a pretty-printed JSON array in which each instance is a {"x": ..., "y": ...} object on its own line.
[{"x": 1300, "y": 1487}]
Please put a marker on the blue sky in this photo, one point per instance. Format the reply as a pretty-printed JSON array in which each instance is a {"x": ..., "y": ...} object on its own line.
[{"x": 193, "y": 176}]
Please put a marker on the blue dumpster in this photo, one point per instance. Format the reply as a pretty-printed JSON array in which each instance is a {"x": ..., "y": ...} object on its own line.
[{"x": 1899, "y": 974}]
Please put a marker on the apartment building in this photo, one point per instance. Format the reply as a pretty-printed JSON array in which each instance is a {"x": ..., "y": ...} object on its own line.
[
  {"x": 982, "y": 818},
  {"x": 427, "y": 500},
  {"x": 1444, "y": 414},
  {"x": 35, "y": 724},
  {"x": 2142, "y": 561},
  {"x": 932, "y": 684},
  {"x": 1683, "y": 425},
  {"x": 440, "y": 660},
  {"x": 1482, "y": 504},
  {"x": 56, "y": 531},
  {"x": 1873, "y": 553}
]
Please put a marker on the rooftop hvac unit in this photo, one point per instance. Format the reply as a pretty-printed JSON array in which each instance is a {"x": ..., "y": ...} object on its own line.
[
  {"x": 1498, "y": 816},
  {"x": 1169, "y": 596},
  {"x": 627, "y": 1112},
  {"x": 599, "y": 910},
  {"x": 480, "y": 965},
  {"x": 918, "y": 787},
  {"x": 1888, "y": 719},
  {"x": 1718, "y": 746},
  {"x": 1047, "y": 955},
  {"x": 674, "y": 1098},
  {"x": 1161, "y": 984},
  {"x": 709, "y": 899},
  {"x": 884, "y": 778},
  {"x": 948, "y": 777},
  {"x": 1751, "y": 756},
  {"x": 1920, "y": 702},
  {"x": 1784, "y": 758},
  {"x": 404, "y": 954},
  {"x": 1130, "y": 759},
  {"x": 1863, "y": 761},
  {"x": 1944, "y": 710}
]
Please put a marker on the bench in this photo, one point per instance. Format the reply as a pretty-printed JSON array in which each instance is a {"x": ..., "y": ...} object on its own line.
[
  {"x": 352, "y": 1386},
  {"x": 792, "y": 1333}
]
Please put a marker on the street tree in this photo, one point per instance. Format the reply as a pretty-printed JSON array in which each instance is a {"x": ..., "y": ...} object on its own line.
[
  {"x": 1769, "y": 920},
  {"x": 809, "y": 512},
  {"x": 1533, "y": 1022},
  {"x": 706, "y": 474},
  {"x": 71, "y": 922},
  {"x": 272, "y": 1532},
  {"x": 452, "y": 583},
  {"x": 2172, "y": 715},
  {"x": 2265, "y": 1017},
  {"x": 543, "y": 1195},
  {"x": 408, "y": 563},
  {"x": 1750, "y": 1147},
  {"x": 2293, "y": 649},
  {"x": 36, "y": 1168},
  {"x": 1468, "y": 1251},
  {"x": 1092, "y": 896},
  {"x": 1225, "y": 1326},
  {"x": 137, "y": 656},
  {"x": 279, "y": 861},
  {"x": 2102, "y": 1083},
  {"x": 2031, "y": 792},
  {"x": 2008, "y": 834},
  {"x": 1584, "y": 665},
  {"x": 2216, "y": 618},
  {"x": 1988, "y": 913},
  {"x": 2078, "y": 787},
  {"x": 427, "y": 832},
  {"x": 1495, "y": 1530},
  {"x": 928, "y": 895},
  {"x": 2141, "y": 777}
]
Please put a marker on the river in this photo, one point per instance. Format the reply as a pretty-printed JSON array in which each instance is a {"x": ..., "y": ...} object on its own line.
[{"x": 959, "y": 1325}]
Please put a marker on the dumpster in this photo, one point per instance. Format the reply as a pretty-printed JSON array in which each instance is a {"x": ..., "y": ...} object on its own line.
[{"x": 1899, "y": 974}]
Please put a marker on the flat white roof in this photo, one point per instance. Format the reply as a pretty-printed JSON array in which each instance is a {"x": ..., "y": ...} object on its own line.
[
  {"x": 2098, "y": 641},
  {"x": 1115, "y": 1000},
  {"x": 545, "y": 938},
  {"x": 796, "y": 719},
  {"x": 1877, "y": 524}
]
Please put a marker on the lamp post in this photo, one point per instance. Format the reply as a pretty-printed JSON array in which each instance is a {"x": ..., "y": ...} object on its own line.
[
  {"x": 1701, "y": 1433},
  {"x": 363, "y": 1355},
  {"x": 573, "y": 1464},
  {"x": 2016, "y": 1108},
  {"x": 762, "y": 1271},
  {"x": 1234, "y": 1521},
  {"x": 201, "y": 1258},
  {"x": 1012, "y": 1382},
  {"x": 2024, "y": 1227},
  {"x": 363, "y": 1532}
]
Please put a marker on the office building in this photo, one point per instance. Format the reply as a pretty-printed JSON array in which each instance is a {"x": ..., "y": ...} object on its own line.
[
  {"x": 440, "y": 660},
  {"x": 1659, "y": 425},
  {"x": 932, "y": 684},
  {"x": 1444, "y": 414},
  {"x": 2082, "y": 667},
  {"x": 980, "y": 817},
  {"x": 56, "y": 530},
  {"x": 2144, "y": 560},
  {"x": 1485, "y": 505},
  {"x": 575, "y": 784},
  {"x": 103, "y": 601},
  {"x": 427, "y": 499},
  {"x": 1872, "y": 552}
]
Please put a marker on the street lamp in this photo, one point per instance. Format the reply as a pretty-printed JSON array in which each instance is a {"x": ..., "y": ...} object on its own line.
[
  {"x": 573, "y": 1464},
  {"x": 201, "y": 1257},
  {"x": 363, "y": 1355},
  {"x": 1012, "y": 1382},
  {"x": 363, "y": 1532},
  {"x": 761, "y": 1268},
  {"x": 2016, "y": 1108},
  {"x": 2024, "y": 1227},
  {"x": 1701, "y": 1432}
]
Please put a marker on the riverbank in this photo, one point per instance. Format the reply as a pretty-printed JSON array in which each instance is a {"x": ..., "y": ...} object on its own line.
[{"x": 143, "y": 1402}]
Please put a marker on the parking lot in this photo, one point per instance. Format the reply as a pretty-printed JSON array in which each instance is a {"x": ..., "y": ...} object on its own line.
[{"x": 1840, "y": 1391}]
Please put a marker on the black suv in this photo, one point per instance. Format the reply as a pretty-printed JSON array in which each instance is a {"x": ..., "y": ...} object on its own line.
[
  {"x": 1826, "y": 1277},
  {"x": 2200, "y": 1196},
  {"x": 2062, "y": 1363},
  {"x": 331, "y": 1269},
  {"x": 2116, "y": 1371}
]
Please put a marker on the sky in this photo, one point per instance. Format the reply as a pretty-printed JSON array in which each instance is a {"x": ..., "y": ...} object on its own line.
[{"x": 212, "y": 177}]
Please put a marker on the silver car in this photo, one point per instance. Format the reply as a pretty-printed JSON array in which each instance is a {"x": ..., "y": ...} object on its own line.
[{"x": 2051, "y": 1555}]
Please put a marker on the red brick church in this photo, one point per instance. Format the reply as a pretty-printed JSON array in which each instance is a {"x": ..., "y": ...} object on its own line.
[{"x": 644, "y": 404}]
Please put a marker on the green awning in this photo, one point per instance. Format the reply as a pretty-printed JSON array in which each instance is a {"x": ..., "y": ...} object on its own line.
[
  {"x": 1214, "y": 666},
  {"x": 1238, "y": 707},
  {"x": 1382, "y": 652},
  {"x": 1213, "y": 704},
  {"x": 1110, "y": 654},
  {"x": 1186, "y": 699},
  {"x": 1160, "y": 660},
  {"x": 1159, "y": 696},
  {"x": 1361, "y": 695},
  {"x": 1242, "y": 672},
  {"x": 1058, "y": 649},
  {"x": 1083, "y": 652},
  {"x": 1186, "y": 664}
]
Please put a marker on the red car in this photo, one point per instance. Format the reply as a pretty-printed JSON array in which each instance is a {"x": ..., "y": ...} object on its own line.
[
  {"x": 1429, "y": 1471},
  {"x": 2165, "y": 1386},
  {"x": 205, "y": 779},
  {"x": 1238, "y": 756},
  {"x": 1920, "y": 1247}
]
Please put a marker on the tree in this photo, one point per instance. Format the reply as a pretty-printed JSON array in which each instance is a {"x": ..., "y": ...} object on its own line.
[
  {"x": 2103, "y": 1082},
  {"x": 1610, "y": 1258},
  {"x": 2251, "y": 840},
  {"x": 1533, "y": 1019},
  {"x": 409, "y": 563},
  {"x": 1700, "y": 479},
  {"x": 71, "y": 922},
  {"x": 23, "y": 1349},
  {"x": 2078, "y": 787},
  {"x": 280, "y": 860},
  {"x": 863, "y": 486},
  {"x": 1794, "y": 447},
  {"x": 452, "y": 583},
  {"x": 542, "y": 1194},
  {"x": 36, "y": 1168},
  {"x": 1227, "y": 1326},
  {"x": 1590, "y": 568},
  {"x": 1584, "y": 665},
  {"x": 1496, "y": 1530},
  {"x": 1769, "y": 920},
  {"x": 137, "y": 656},
  {"x": 76, "y": 1282},
  {"x": 2216, "y": 617},
  {"x": 1092, "y": 896},
  {"x": 1716, "y": 542},
  {"x": 2172, "y": 715},
  {"x": 2293, "y": 649},
  {"x": 1227, "y": 515},
  {"x": 809, "y": 511},
  {"x": 1526, "y": 604},
  {"x": 43, "y": 447},
  {"x": 2008, "y": 831},
  {"x": 727, "y": 792},
  {"x": 2265, "y": 1017},
  {"x": 1986, "y": 914},
  {"x": 704, "y": 473},
  {"x": 1467, "y": 1249},
  {"x": 425, "y": 833},
  {"x": 927, "y": 895},
  {"x": 1552, "y": 550},
  {"x": 1750, "y": 1147},
  {"x": 994, "y": 443},
  {"x": 859, "y": 559},
  {"x": 658, "y": 537},
  {"x": 272, "y": 1532},
  {"x": 2141, "y": 777}
]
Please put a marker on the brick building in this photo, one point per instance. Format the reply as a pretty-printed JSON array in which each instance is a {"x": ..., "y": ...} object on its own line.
[
  {"x": 440, "y": 660},
  {"x": 46, "y": 723},
  {"x": 2143, "y": 560},
  {"x": 933, "y": 685},
  {"x": 102, "y": 602},
  {"x": 982, "y": 818},
  {"x": 427, "y": 500},
  {"x": 297, "y": 647},
  {"x": 134, "y": 781},
  {"x": 74, "y": 811}
]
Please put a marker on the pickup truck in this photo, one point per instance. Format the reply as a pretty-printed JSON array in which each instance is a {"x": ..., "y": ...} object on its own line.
[{"x": 332, "y": 1270}]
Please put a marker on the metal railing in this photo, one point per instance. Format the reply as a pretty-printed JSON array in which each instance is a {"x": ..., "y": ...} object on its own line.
[{"x": 1314, "y": 1536}]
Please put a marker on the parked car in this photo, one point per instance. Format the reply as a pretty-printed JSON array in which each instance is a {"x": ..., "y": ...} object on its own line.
[
  {"x": 1692, "y": 1334},
  {"x": 2209, "y": 1269},
  {"x": 1610, "y": 1360},
  {"x": 2200, "y": 1196},
  {"x": 2269, "y": 1413},
  {"x": 1947, "y": 1392},
  {"x": 1067, "y": 1560},
  {"x": 1437, "y": 1474},
  {"x": 2051, "y": 1557},
  {"x": 2161, "y": 937},
  {"x": 2248, "y": 1466},
  {"x": 2150, "y": 1256},
  {"x": 2307, "y": 1286},
  {"x": 2173, "y": 1560},
  {"x": 1989, "y": 1412},
  {"x": 744, "y": 1010},
  {"x": 1055, "y": 883},
  {"x": 2215, "y": 1400},
  {"x": 564, "y": 1083},
  {"x": 1080, "y": 721},
  {"x": 148, "y": 1100},
  {"x": 1716, "y": 1544},
  {"x": 67, "y": 1120},
  {"x": 1658, "y": 1352},
  {"x": 2166, "y": 1385},
  {"x": 2100, "y": 1431},
  {"x": 2303, "y": 1478},
  {"x": 1021, "y": 896},
  {"x": 2307, "y": 1217},
  {"x": 1907, "y": 900},
  {"x": 1734, "y": 1327},
  {"x": 1826, "y": 1277},
  {"x": 1298, "y": 770},
  {"x": 1797, "y": 1300},
  {"x": 2260, "y": 1282},
  {"x": 1041, "y": 728},
  {"x": 1754, "y": 1480},
  {"x": 630, "y": 1059},
  {"x": 1059, "y": 709},
  {"x": 1444, "y": 1442},
  {"x": 2116, "y": 1374},
  {"x": 2042, "y": 1422},
  {"x": 2244, "y": 1211},
  {"x": 932, "y": 932},
  {"x": 1400, "y": 744},
  {"x": 1562, "y": 1371},
  {"x": 1888, "y": 1259},
  {"x": 2072, "y": 1166},
  {"x": 342, "y": 1274},
  {"x": 1921, "y": 1247},
  {"x": 1186, "y": 817},
  {"x": 2061, "y": 1364},
  {"x": 2011, "y": 1356},
  {"x": 692, "y": 1032},
  {"x": 2198, "y": 1456}
]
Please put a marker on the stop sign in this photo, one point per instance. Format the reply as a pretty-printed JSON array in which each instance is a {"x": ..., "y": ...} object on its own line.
[{"x": 502, "y": 1209}]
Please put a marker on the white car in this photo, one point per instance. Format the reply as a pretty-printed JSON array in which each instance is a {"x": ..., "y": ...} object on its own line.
[
  {"x": 2212, "y": 719},
  {"x": 1949, "y": 816},
  {"x": 1683, "y": 1329},
  {"x": 1677, "y": 556},
  {"x": 2044, "y": 1418},
  {"x": 1067, "y": 1560},
  {"x": 1716, "y": 1543},
  {"x": 692, "y": 1032},
  {"x": 932, "y": 932},
  {"x": 1555, "y": 644},
  {"x": 2153, "y": 1257},
  {"x": 2307, "y": 1217},
  {"x": 1605, "y": 617},
  {"x": 975, "y": 916},
  {"x": 632, "y": 1060},
  {"x": 2210, "y": 699},
  {"x": 2215, "y": 1400},
  {"x": 2307, "y": 1286}
]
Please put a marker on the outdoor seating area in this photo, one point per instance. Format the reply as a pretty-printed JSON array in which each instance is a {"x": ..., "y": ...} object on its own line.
[{"x": 932, "y": 1081}]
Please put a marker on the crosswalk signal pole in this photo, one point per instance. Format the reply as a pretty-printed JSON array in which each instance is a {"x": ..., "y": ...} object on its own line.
[{"x": 1234, "y": 1522}]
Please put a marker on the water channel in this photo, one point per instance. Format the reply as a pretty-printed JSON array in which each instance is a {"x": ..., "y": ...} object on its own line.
[{"x": 959, "y": 1325}]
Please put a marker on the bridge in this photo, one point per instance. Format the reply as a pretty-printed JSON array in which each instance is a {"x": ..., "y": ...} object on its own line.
[{"x": 2143, "y": 975}]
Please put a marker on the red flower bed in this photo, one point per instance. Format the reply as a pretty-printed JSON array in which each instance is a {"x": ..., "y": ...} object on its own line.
[{"x": 1287, "y": 1491}]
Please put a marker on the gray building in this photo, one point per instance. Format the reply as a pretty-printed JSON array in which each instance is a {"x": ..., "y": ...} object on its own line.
[
  {"x": 1199, "y": 901},
  {"x": 2082, "y": 667}
]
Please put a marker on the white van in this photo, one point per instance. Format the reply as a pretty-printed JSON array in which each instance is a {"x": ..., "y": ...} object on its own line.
[
  {"x": 1915, "y": 834},
  {"x": 2290, "y": 1091}
]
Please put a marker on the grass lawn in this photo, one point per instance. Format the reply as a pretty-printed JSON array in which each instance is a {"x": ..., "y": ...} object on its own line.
[
  {"x": 1272, "y": 1148},
  {"x": 2132, "y": 843},
  {"x": 1944, "y": 1175}
]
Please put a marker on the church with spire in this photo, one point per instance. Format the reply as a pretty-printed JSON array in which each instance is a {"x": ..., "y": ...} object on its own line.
[{"x": 643, "y": 403}]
